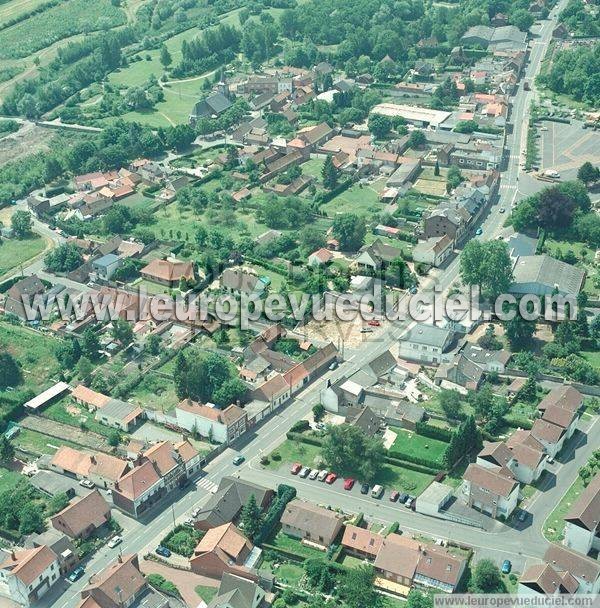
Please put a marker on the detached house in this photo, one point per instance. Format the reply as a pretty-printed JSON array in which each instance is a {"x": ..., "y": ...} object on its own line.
[
  {"x": 311, "y": 523},
  {"x": 27, "y": 575},
  {"x": 377, "y": 255},
  {"x": 168, "y": 272},
  {"x": 83, "y": 517},
  {"x": 426, "y": 343},
  {"x": 494, "y": 492}
]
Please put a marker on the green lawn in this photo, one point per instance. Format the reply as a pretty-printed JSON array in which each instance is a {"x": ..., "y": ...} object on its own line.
[
  {"x": 287, "y": 543},
  {"x": 154, "y": 393},
  {"x": 206, "y": 593},
  {"x": 418, "y": 445},
  {"x": 13, "y": 253},
  {"x": 592, "y": 357},
  {"x": 39, "y": 443},
  {"x": 314, "y": 167},
  {"x": 554, "y": 526},
  {"x": 290, "y": 574},
  {"x": 9, "y": 479},
  {"x": 295, "y": 451},
  {"x": 360, "y": 200}
]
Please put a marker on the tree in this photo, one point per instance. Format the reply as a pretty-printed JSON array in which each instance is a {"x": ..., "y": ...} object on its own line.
[
  {"x": 31, "y": 518},
  {"x": 356, "y": 588},
  {"x": 329, "y": 173},
  {"x": 522, "y": 18},
  {"x": 451, "y": 403},
  {"x": 555, "y": 209},
  {"x": 588, "y": 174},
  {"x": 351, "y": 453},
  {"x": 417, "y": 139},
  {"x": 7, "y": 451},
  {"x": 251, "y": 518},
  {"x": 90, "y": 344},
  {"x": 350, "y": 230},
  {"x": 67, "y": 353},
  {"x": 488, "y": 340},
  {"x": 84, "y": 368},
  {"x": 10, "y": 371},
  {"x": 165, "y": 56},
  {"x": 64, "y": 258},
  {"x": 311, "y": 239},
  {"x": 21, "y": 224},
  {"x": 57, "y": 503},
  {"x": 180, "y": 137},
  {"x": 519, "y": 332},
  {"x": 436, "y": 169},
  {"x": 488, "y": 265},
  {"x": 454, "y": 178},
  {"x": 153, "y": 344},
  {"x": 417, "y": 599},
  {"x": 231, "y": 391},
  {"x": 114, "y": 438},
  {"x": 379, "y": 125},
  {"x": 122, "y": 332},
  {"x": 486, "y": 578},
  {"x": 318, "y": 412}
]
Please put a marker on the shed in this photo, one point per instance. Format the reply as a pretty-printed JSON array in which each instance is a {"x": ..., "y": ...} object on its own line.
[{"x": 48, "y": 395}]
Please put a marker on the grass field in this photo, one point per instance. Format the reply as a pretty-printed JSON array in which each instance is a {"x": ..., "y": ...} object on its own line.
[
  {"x": 35, "y": 352},
  {"x": 155, "y": 394},
  {"x": 418, "y": 445},
  {"x": 71, "y": 413},
  {"x": 287, "y": 543},
  {"x": 14, "y": 252},
  {"x": 429, "y": 183},
  {"x": 56, "y": 23},
  {"x": 37, "y": 442},
  {"x": 592, "y": 357},
  {"x": 295, "y": 451},
  {"x": 554, "y": 526},
  {"x": 362, "y": 201}
]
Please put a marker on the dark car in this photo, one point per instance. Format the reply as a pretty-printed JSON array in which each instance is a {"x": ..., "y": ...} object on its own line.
[
  {"x": 506, "y": 566},
  {"x": 237, "y": 461},
  {"x": 163, "y": 551},
  {"x": 402, "y": 498},
  {"x": 76, "y": 574},
  {"x": 364, "y": 488}
]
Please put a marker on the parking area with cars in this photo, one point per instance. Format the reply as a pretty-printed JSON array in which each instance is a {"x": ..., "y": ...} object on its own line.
[{"x": 350, "y": 485}]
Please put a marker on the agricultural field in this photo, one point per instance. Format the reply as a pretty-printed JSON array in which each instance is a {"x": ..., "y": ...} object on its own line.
[{"x": 56, "y": 23}]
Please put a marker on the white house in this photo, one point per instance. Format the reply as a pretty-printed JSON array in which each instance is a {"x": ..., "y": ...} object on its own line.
[
  {"x": 222, "y": 426},
  {"x": 426, "y": 343},
  {"x": 494, "y": 492},
  {"x": 27, "y": 575},
  {"x": 582, "y": 522},
  {"x": 434, "y": 251}
]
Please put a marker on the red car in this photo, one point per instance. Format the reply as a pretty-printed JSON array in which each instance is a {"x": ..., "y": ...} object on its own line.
[
  {"x": 394, "y": 495},
  {"x": 330, "y": 478},
  {"x": 296, "y": 467},
  {"x": 348, "y": 483},
  {"x": 374, "y": 323}
]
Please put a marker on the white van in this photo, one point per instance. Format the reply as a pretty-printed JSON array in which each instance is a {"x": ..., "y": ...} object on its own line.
[
  {"x": 377, "y": 491},
  {"x": 322, "y": 475}
]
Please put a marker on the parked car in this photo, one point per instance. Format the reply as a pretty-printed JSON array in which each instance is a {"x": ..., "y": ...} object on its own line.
[
  {"x": 189, "y": 521},
  {"x": 237, "y": 461},
  {"x": 163, "y": 551},
  {"x": 394, "y": 495},
  {"x": 479, "y": 231},
  {"x": 377, "y": 491},
  {"x": 86, "y": 483},
  {"x": 314, "y": 474},
  {"x": 333, "y": 366},
  {"x": 364, "y": 488},
  {"x": 349, "y": 483},
  {"x": 374, "y": 322},
  {"x": 366, "y": 330},
  {"x": 196, "y": 512},
  {"x": 76, "y": 574},
  {"x": 330, "y": 478},
  {"x": 409, "y": 502},
  {"x": 402, "y": 498},
  {"x": 296, "y": 468},
  {"x": 322, "y": 475},
  {"x": 304, "y": 472},
  {"x": 506, "y": 566},
  {"x": 114, "y": 541},
  {"x": 502, "y": 210}
]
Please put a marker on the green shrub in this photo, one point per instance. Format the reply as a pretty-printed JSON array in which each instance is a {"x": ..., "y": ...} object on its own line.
[{"x": 158, "y": 581}]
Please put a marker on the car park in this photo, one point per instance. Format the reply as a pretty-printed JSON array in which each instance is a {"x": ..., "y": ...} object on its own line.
[
  {"x": 394, "y": 495},
  {"x": 163, "y": 551},
  {"x": 76, "y": 574},
  {"x": 506, "y": 566},
  {"x": 330, "y": 478},
  {"x": 348, "y": 483},
  {"x": 114, "y": 541},
  {"x": 296, "y": 468},
  {"x": 304, "y": 472},
  {"x": 313, "y": 474},
  {"x": 322, "y": 475},
  {"x": 364, "y": 488},
  {"x": 237, "y": 461}
]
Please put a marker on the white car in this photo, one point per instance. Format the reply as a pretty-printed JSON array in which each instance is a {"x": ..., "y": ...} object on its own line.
[
  {"x": 114, "y": 541},
  {"x": 313, "y": 474},
  {"x": 189, "y": 521},
  {"x": 86, "y": 483},
  {"x": 304, "y": 472},
  {"x": 322, "y": 475}
]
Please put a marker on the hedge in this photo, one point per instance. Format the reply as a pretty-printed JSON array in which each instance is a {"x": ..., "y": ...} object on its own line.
[
  {"x": 162, "y": 584},
  {"x": 433, "y": 432},
  {"x": 11, "y": 535},
  {"x": 413, "y": 466},
  {"x": 300, "y": 426},
  {"x": 304, "y": 439},
  {"x": 286, "y": 552},
  {"x": 285, "y": 493}
]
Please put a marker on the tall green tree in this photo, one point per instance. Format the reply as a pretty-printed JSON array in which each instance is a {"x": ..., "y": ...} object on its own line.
[
  {"x": 488, "y": 265},
  {"x": 251, "y": 518},
  {"x": 350, "y": 230},
  {"x": 21, "y": 223},
  {"x": 329, "y": 173}
]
